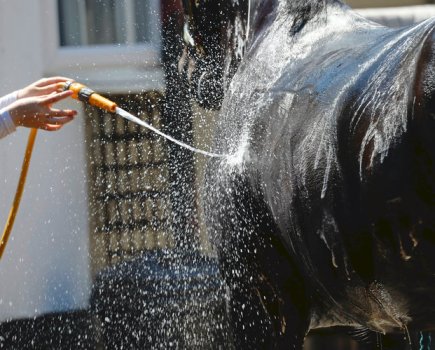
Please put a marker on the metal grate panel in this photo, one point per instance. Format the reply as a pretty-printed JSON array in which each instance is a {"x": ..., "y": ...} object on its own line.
[{"x": 128, "y": 187}]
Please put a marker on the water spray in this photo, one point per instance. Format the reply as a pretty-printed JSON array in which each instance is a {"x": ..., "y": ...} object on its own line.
[{"x": 83, "y": 93}]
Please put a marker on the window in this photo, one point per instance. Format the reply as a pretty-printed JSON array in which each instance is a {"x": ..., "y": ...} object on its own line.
[
  {"x": 112, "y": 45},
  {"x": 97, "y": 22}
]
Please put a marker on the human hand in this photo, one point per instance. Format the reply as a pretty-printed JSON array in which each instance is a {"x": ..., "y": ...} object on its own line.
[
  {"x": 42, "y": 87},
  {"x": 36, "y": 112}
]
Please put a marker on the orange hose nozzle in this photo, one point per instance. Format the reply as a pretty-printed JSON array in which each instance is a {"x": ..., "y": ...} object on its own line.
[
  {"x": 83, "y": 93},
  {"x": 102, "y": 102}
]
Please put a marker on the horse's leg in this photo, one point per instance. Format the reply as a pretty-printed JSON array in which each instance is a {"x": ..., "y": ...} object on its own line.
[
  {"x": 269, "y": 307},
  {"x": 284, "y": 296},
  {"x": 262, "y": 320},
  {"x": 251, "y": 327}
]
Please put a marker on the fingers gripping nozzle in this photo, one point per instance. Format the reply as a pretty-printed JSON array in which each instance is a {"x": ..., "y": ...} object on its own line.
[{"x": 83, "y": 93}]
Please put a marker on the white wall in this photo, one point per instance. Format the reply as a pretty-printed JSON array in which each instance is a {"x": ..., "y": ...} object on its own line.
[
  {"x": 384, "y": 3},
  {"x": 400, "y": 16},
  {"x": 45, "y": 265}
]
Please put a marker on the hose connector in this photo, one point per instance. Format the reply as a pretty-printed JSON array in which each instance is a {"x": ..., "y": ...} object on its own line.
[{"x": 83, "y": 93}]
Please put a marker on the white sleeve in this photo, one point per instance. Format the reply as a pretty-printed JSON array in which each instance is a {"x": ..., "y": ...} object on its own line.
[
  {"x": 7, "y": 125},
  {"x": 8, "y": 99}
]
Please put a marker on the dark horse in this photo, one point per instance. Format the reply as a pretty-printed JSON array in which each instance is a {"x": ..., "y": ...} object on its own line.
[{"x": 323, "y": 212}]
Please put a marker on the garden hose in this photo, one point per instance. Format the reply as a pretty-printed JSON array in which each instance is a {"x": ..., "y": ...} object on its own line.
[{"x": 18, "y": 194}]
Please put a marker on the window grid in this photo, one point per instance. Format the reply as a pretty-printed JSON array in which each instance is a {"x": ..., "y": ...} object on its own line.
[{"x": 129, "y": 176}]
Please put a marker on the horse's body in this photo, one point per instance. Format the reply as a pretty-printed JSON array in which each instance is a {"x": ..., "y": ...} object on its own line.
[{"x": 324, "y": 213}]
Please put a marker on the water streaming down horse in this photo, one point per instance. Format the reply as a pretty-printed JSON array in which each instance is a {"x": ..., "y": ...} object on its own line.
[{"x": 324, "y": 213}]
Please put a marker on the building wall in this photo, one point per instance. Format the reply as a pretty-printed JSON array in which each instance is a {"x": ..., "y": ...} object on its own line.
[
  {"x": 46, "y": 265},
  {"x": 385, "y": 3}
]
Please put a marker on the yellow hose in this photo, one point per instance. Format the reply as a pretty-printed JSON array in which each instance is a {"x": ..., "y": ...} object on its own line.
[{"x": 14, "y": 209}]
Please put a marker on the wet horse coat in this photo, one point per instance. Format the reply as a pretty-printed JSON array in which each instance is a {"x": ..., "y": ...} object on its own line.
[{"x": 323, "y": 214}]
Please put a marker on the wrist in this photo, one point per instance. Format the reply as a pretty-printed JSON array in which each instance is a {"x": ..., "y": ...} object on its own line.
[{"x": 19, "y": 94}]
